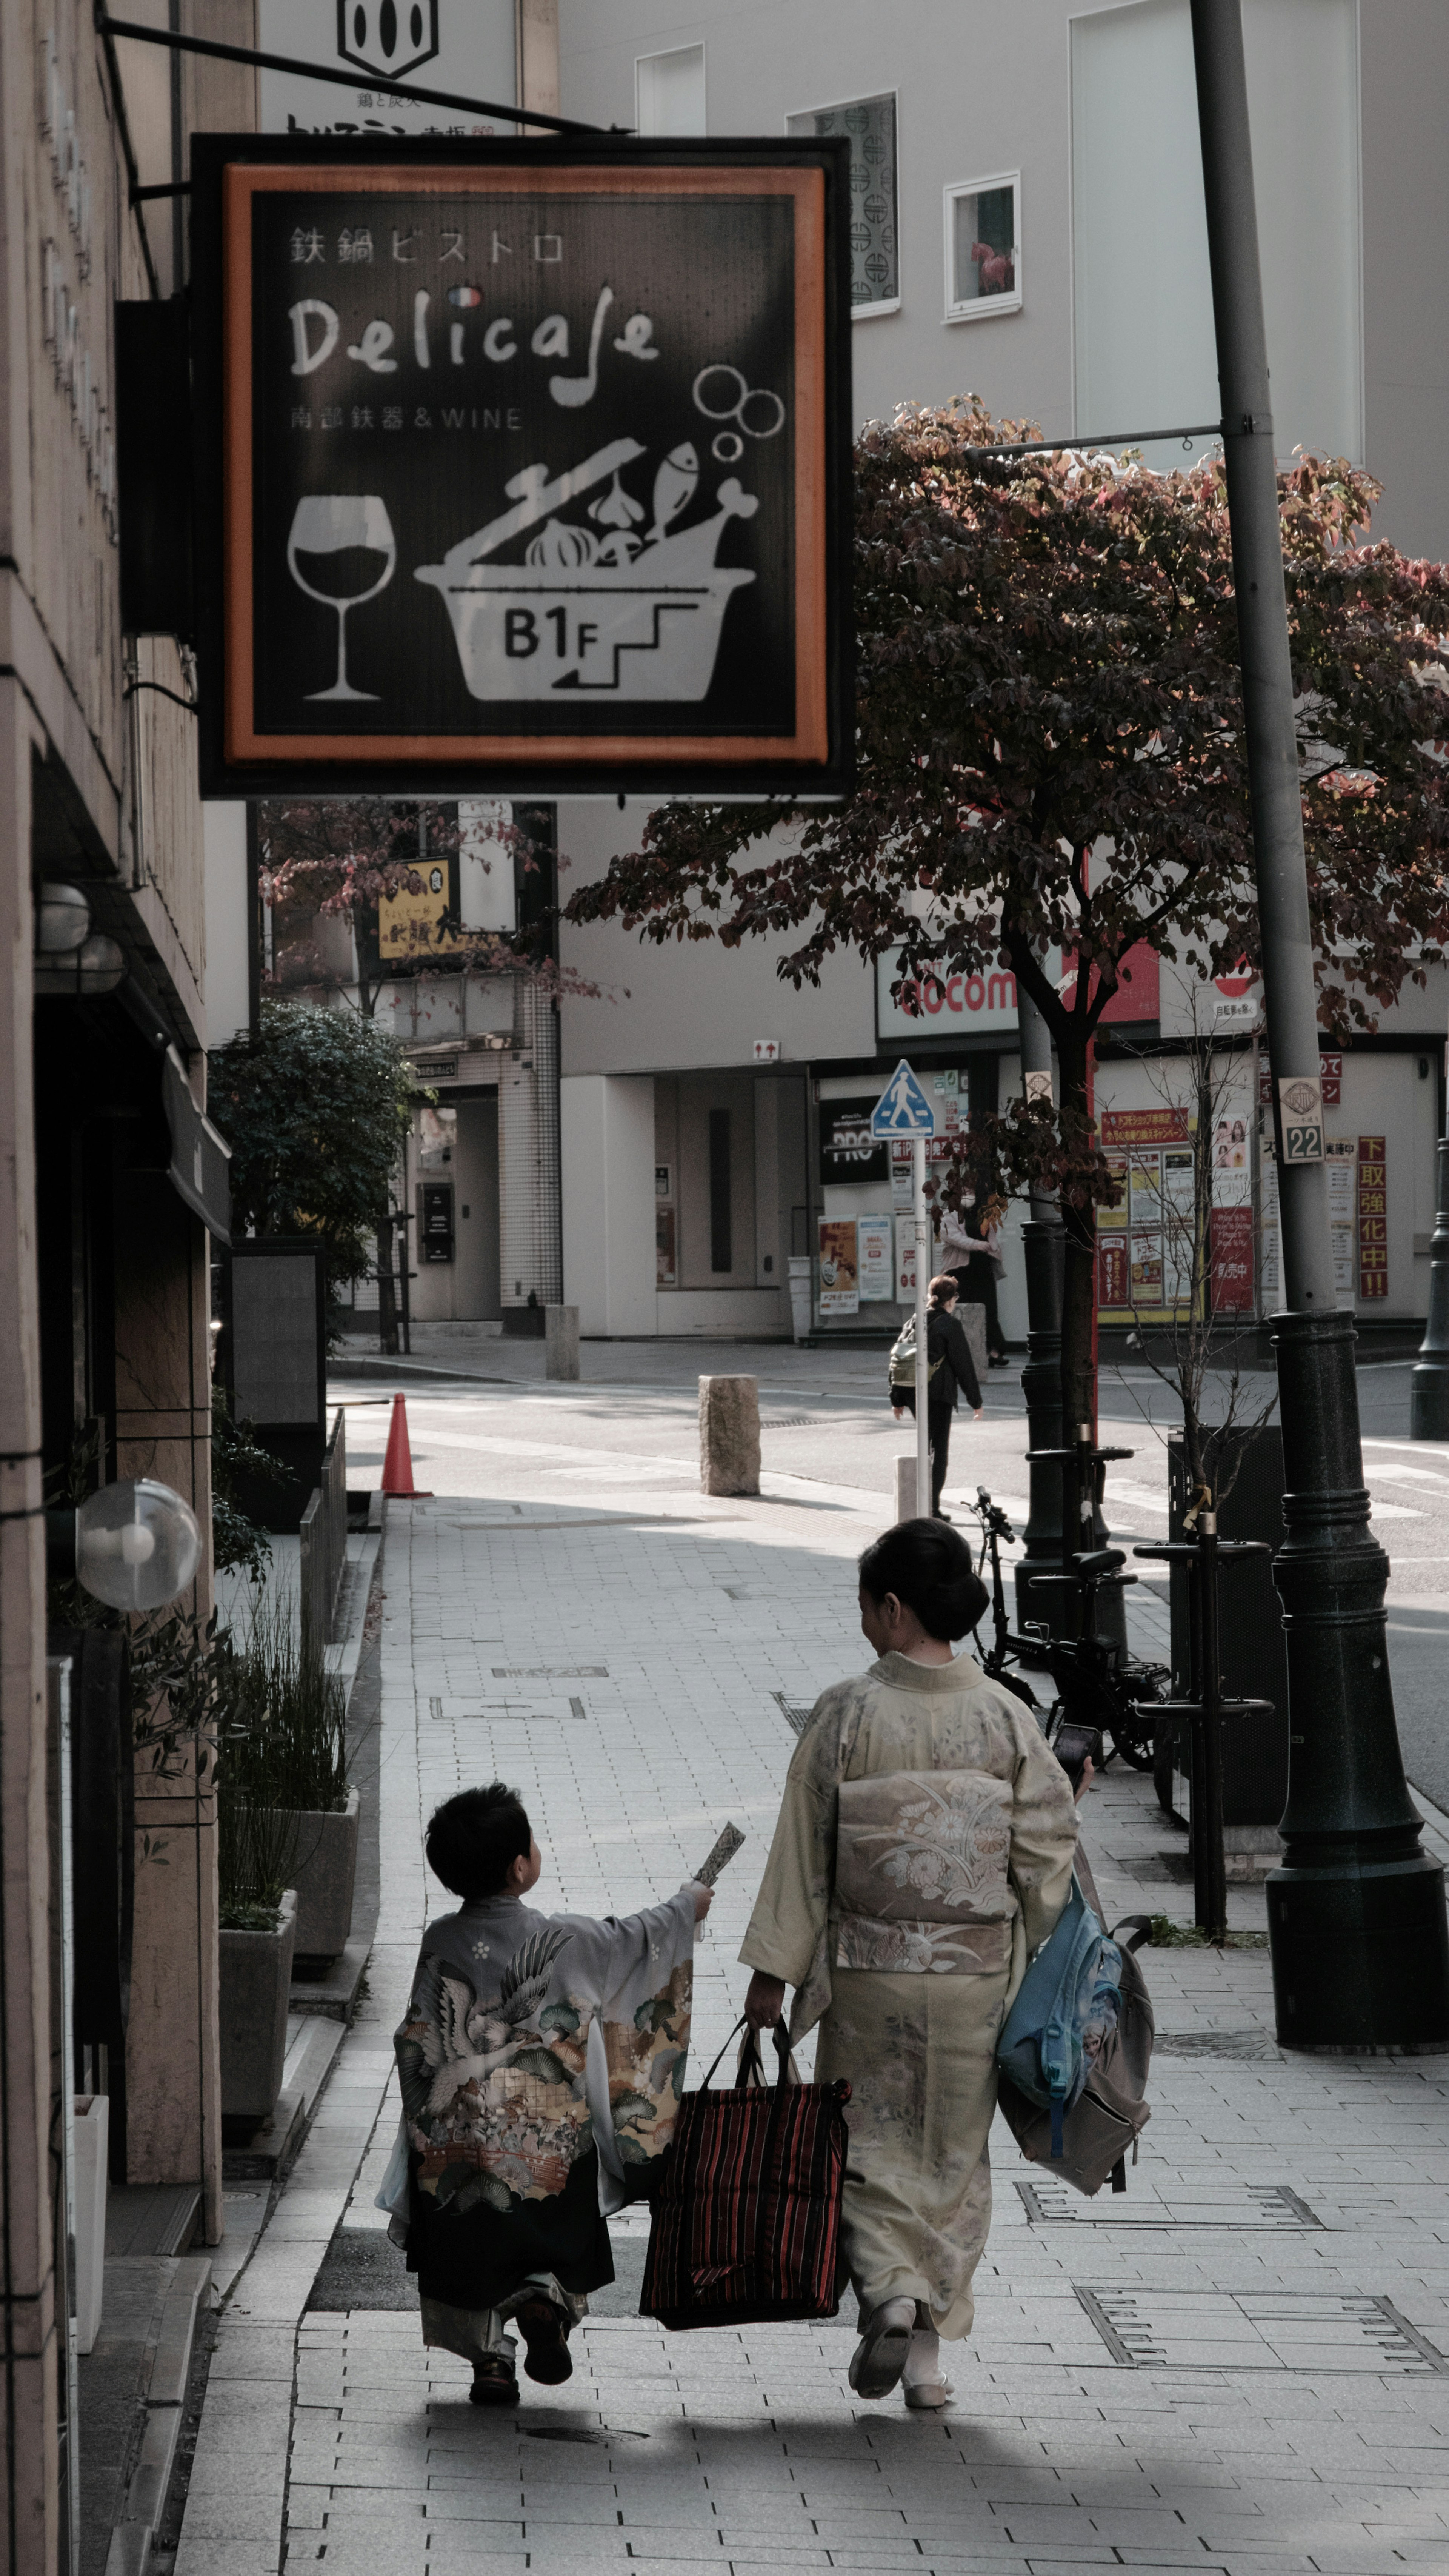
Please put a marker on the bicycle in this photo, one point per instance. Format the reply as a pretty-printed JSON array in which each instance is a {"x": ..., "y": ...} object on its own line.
[
  {"x": 1098, "y": 1685},
  {"x": 994, "y": 1662}
]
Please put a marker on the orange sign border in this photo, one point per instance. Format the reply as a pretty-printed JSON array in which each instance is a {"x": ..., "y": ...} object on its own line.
[{"x": 242, "y": 183}]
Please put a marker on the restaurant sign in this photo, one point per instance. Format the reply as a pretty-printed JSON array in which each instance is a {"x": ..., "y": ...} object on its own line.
[{"x": 521, "y": 463}]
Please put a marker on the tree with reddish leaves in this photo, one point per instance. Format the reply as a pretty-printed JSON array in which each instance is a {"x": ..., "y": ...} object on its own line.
[
  {"x": 1051, "y": 756},
  {"x": 328, "y": 862}
]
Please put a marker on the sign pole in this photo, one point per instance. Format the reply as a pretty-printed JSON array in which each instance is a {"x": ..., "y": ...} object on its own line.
[{"x": 923, "y": 1273}]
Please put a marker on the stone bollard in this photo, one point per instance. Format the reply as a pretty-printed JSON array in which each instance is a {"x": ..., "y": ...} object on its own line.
[
  {"x": 972, "y": 1320},
  {"x": 906, "y": 1487},
  {"x": 729, "y": 1435},
  {"x": 561, "y": 1341}
]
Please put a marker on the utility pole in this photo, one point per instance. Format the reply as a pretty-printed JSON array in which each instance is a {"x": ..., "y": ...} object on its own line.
[
  {"x": 1356, "y": 1918},
  {"x": 1041, "y": 1377}
]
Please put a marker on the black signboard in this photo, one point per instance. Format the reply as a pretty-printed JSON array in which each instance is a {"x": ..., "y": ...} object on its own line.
[
  {"x": 522, "y": 464},
  {"x": 848, "y": 1151},
  {"x": 436, "y": 1230}
]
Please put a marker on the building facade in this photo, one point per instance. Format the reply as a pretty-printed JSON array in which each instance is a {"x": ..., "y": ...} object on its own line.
[
  {"x": 105, "y": 1204},
  {"x": 1029, "y": 228}
]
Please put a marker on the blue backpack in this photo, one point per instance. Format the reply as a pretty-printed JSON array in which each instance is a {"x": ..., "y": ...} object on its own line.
[{"x": 1066, "y": 2011}]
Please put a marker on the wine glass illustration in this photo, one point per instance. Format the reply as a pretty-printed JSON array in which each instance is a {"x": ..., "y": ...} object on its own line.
[{"x": 342, "y": 523}]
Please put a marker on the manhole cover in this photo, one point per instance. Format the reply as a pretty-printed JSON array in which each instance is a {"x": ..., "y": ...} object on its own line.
[
  {"x": 1311, "y": 2330},
  {"x": 1258, "y": 2205}
]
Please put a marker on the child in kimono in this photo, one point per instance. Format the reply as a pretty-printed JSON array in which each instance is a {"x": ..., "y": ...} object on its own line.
[{"x": 541, "y": 2062}]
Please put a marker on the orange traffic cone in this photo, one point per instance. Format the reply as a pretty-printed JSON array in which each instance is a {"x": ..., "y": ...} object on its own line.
[{"x": 397, "y": 1466}]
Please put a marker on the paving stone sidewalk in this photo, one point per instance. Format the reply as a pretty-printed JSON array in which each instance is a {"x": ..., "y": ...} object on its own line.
[{"x": 1243, "y": 2365}]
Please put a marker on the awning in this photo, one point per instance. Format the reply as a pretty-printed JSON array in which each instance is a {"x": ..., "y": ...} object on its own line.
[{"x": 199, "y": 1156}]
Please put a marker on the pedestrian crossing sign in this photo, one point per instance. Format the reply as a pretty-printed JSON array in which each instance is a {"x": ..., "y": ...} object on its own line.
[{"x": 903, "y": 1109}]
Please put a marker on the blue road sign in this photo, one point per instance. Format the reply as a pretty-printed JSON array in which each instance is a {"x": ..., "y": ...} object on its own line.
[{"x": 903, "y": 1109}]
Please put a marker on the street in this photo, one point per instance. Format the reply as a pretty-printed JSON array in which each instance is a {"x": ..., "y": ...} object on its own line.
[{"x": 1245, "y": 2363}]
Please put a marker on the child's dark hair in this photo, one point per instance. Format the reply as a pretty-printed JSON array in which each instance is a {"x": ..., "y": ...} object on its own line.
[
  {"x": 473, "y": 1837},
  {"x": 927, "y": 1565}
]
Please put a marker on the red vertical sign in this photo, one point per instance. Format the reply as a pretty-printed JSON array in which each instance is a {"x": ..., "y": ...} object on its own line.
[{"x": 1373, "y": 1217}]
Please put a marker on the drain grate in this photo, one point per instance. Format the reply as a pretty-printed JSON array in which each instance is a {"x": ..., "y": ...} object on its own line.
[
  {"x": 550, "y": 1672},
  {"x": 579, "y": 2433},
  {"x": 791, "y": 1421},
  {"x": 545, "y": 1706},
  {"x": 793, "y": 1715},
  {"x": 1258, "y": 2205},
  {"x": 1311, "y": 2330}
]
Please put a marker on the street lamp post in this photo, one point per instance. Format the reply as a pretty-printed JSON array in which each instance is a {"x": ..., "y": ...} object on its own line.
[
  {"x": 1429, "y": 1385},
  {"x": 1041, "y": 1376},
  {"x": 1356, "y": 1916}
]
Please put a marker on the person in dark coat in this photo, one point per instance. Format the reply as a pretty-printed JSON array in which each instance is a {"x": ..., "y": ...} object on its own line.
[{"x": 951, "y": 1370}]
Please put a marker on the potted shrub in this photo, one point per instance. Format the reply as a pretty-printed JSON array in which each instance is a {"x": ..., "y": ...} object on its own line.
[
  {"x": 258, "y": 1927},
  {"x": 287, "y": 1737}
]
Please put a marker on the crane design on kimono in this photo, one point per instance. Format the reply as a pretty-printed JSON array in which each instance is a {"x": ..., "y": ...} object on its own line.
[{"x": 464, "y": 2042}]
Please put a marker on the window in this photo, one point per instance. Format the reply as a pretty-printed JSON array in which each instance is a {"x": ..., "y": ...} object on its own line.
[
  {"x": 669, "y": 91},
  {"x": 870, "y": 124},
  {"x": 983, "y": 247},
  {"x": 721, "y": 1250}
]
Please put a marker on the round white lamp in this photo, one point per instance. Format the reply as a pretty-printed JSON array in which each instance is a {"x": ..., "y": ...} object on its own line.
[{"x": 137, "y": 1544}]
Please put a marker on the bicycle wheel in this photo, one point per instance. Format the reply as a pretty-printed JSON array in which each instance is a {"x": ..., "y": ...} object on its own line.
[{"x": 1134, "y": 1736}]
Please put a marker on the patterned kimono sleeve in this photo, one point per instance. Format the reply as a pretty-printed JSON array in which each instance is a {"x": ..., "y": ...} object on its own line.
[
  {"x": 1043, "y": 1832},
  {"x": 627, "y": 1957},
  {"x": 787, "y": 1928}
]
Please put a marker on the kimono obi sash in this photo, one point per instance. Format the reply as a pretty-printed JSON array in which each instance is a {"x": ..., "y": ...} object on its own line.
[{"x": 921, "y": 1873}]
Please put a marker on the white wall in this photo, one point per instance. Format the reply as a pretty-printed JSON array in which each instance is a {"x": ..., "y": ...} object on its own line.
[
  {"x": 688, "y": 1005},
  {"x": 227, "y": 984},
  {"x": 1144, "y": 319},
  {"x": 606, "y": 1134}
]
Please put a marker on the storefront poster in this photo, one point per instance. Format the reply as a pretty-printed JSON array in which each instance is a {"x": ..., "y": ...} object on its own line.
[
  {"x": 875, "y": 1254},
  {"x": 1231, "y": 1243},
  {"x": 848, "y": 1151},
  {"x": 906, "y": 1259},
  {"x": 1373, "y": 1217},
  {"x": 1230, "y": 1145},
  {"x": 839, "y": 1268},
  {"x": 1127, "y": 1127},
  {"x": 1146, "y": 1252},
  {"x": 1112, "y": 1281},
  {"x": 1341, "y": 1156},
  {"x": 665, "y": 1266}
]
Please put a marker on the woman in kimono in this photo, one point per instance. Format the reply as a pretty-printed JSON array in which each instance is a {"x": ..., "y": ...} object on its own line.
[{"x": 923, "y": 1851}]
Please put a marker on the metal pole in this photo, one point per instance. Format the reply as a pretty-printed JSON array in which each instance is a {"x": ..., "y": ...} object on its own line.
[
  {"x": 1041, "y": 1377},
  {"x": 1429, "y": 1385},
  {"x": 923, "y": 1272},
  {"x": 1356, "y": 1914},
  {"x": 1209, "y": 1866}
]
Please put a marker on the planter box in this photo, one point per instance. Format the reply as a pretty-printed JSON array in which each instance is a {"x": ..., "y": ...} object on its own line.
[
  {"x": 322, "y": 1869},
  {"x": 256, "y": 1978},
  {"x": 92, "y": 2158}
]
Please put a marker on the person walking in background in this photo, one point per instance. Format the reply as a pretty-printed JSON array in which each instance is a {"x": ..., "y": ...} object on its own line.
[
  {"x": 950, "y": 1370},
  {"x": 969, "y": 1250},
  {"x": 924, "y": 1849}
]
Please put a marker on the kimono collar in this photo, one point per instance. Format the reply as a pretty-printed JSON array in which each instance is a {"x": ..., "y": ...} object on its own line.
[{"x": 899, "y": 1672}]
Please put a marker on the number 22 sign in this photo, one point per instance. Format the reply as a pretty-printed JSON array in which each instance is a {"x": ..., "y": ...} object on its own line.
[{"x": 1300, "y": 1119}]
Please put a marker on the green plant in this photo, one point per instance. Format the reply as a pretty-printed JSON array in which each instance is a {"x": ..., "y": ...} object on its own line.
[
  {"x": 284, "y": 1736},
  {"x": 255, "y": 1847},
  {"x": 315, "y": 1110},
  {"x": 236, "y": 1452}
]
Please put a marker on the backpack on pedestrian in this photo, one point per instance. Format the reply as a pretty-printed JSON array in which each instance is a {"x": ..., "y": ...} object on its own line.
[
  {"x": 1073, "y": 2057},
  {"x": 903, "y": 1360}
]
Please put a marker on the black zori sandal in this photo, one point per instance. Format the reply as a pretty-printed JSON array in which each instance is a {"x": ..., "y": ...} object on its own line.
[
  {"x": 495, "y": 2382},
  {"x": 545, "y": 2336}
]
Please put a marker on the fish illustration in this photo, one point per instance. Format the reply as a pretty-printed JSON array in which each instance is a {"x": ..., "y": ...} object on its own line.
[{"x": 673, "y": 488}]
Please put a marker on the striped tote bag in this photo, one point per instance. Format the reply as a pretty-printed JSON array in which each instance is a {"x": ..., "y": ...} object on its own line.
[{"x": 746, "y": 2224}]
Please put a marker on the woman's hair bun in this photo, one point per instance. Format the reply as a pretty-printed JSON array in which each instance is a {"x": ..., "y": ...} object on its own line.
[{"x": 928, "y": 1566}]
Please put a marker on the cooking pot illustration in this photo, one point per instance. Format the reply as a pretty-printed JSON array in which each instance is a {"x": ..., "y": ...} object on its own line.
[{"x": 600, "y": 606}]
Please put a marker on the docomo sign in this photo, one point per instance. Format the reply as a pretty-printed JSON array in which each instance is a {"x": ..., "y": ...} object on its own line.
[{"x": 930, "y": 1003}]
